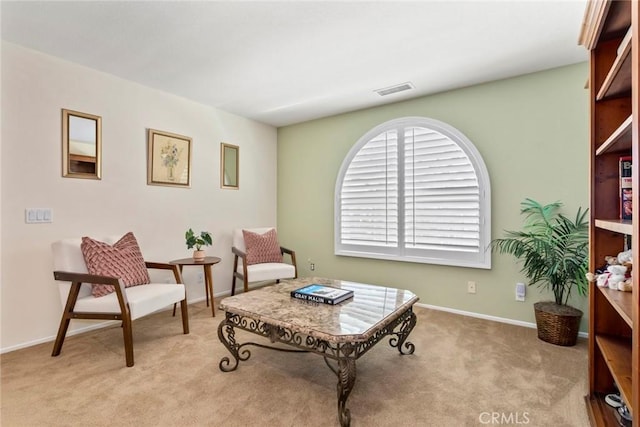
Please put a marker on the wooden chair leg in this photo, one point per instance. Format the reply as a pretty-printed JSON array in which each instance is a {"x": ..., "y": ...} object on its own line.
[
  {"x": 235, "y": 270},
  {"x": 62, "y": 332},
  {"x": 178, "y": 280},
  {"x": 74, "y": 291},
  {"x": 185, "y": 316},
  {"x": 246, "y": 285},
  {"x": 128, "y": 340}
]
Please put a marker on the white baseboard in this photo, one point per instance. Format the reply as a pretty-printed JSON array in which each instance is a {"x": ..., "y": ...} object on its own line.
[
  {"x": 226, "y": 293},
  {"x": 77, "y": 331},
  {"x": 53, "y": 337},
  {"x": 488, "y": 317}
]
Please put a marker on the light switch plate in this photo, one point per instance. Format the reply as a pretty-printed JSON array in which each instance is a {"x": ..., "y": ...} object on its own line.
[{"x": 38, "y": 215}]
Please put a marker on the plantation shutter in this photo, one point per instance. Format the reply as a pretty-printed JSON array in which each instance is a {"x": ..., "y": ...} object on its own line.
[
  {"x": 369, "y": 196},
  {"x": 441, "y": 194},
  {"x": 414, "y": 189}
]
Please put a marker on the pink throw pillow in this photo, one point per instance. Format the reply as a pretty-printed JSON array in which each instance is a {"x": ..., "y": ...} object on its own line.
[
  {"x": 123, "y": 259},
  {"x": 262, "y": 248}
]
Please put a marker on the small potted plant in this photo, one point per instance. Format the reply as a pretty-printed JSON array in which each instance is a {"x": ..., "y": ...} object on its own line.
[
  {"x": 554, "y": 250},
  {"x": 193, "y": 240}
]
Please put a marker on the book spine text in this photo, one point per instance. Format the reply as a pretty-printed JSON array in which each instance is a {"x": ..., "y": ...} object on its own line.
[{"x": 313, "y": 298}]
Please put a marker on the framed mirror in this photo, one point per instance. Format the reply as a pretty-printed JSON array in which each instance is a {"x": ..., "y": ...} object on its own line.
[
  {"x": 81, "y": 145},
  {"x": 229, "y": 166}
]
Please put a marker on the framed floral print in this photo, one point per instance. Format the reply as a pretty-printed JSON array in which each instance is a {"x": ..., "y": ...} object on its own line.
[{"x": 169, "y": 161}]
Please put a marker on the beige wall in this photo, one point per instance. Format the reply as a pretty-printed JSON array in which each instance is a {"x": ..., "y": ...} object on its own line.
[
  {"x": 35, "y": 87},
  {"x": 532, "y": 132}
]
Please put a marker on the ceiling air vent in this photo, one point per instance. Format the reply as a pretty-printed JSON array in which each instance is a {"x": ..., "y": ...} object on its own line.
[{"x": 394, "y": 89}]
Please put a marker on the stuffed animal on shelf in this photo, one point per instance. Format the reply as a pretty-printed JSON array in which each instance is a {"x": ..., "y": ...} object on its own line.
[
  {"x": 626, "y": 285},
  {"x": 625, "y": 257},
  {"x": 616, "y": 274}
]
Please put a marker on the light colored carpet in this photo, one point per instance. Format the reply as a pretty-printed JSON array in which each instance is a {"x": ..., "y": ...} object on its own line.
[{"x": 464, "y": 372}]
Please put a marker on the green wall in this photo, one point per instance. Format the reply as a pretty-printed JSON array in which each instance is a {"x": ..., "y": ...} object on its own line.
[{"x": 532, "y": 132}]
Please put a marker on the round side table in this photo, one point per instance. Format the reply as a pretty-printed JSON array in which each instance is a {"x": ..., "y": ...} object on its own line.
[{"x": 206, "y": 264}]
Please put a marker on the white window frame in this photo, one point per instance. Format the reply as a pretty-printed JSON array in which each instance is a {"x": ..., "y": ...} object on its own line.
[{"x": 480, "y": 259}]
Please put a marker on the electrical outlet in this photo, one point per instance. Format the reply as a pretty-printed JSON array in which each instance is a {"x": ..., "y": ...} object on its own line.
[
  {"x": 200, "y": 278},
  {"x": 312, "y": 267},
  {"x": 471, "y": 287},
  {"x": 521, "y": 291}
]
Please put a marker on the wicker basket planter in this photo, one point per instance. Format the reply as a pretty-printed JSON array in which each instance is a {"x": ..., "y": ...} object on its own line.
[{"x": 557, "y": 324}]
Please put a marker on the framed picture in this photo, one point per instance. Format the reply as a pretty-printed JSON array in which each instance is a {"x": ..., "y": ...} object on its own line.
[{"x": 169, "y": 160}]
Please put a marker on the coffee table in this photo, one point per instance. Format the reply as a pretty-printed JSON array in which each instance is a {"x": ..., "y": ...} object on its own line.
[{"x": 341, "y": 333}]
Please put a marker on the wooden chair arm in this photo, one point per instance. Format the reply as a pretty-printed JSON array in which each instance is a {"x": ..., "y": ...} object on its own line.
[
  {"x": 166, "y": 266},
  {"x": 291, "y": 253},
  {"x": 67, "y": 276},
  {"x": 287, "y": 251},
  {"x": 239, "y": 253},
  {"x": 78, "y": 279},
  {"x": 160, "y": 265}
]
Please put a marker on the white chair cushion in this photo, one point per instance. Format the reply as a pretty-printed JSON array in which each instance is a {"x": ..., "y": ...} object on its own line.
[
  {"x": 270, "y": 271},
  {"x": 143, "y": 299}
]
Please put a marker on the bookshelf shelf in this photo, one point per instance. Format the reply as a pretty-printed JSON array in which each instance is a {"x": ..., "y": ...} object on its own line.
[
  {"x": 620, "y": 139},
  {"x": 600, "y": 413},
  {"x": 618, "y": 80},
  {"x": 622, "y": 303},
  {"x": 617, "y": 355},
  {"x": 621, "y": 226}
]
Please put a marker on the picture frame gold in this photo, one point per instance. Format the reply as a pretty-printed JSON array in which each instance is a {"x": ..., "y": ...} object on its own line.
[
  {"x": 169, "y": 159},
  {"x": 81, "y": 145},
  {"x": 229, "y": 166}
]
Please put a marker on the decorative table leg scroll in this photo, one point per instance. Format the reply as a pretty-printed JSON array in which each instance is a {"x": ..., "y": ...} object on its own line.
[
  {"x": 346, "y": 380},
  {"x": 408, "y": 321},
  {"x": 232, "y": 346}
]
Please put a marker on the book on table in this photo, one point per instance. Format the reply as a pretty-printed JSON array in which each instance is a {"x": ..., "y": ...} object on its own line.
[{"x": 322, "y": 293}]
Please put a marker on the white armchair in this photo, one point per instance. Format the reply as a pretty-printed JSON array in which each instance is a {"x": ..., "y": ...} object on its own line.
[
  {"x": 247, "y": 265},
  {"x": 124, "y": 303}
]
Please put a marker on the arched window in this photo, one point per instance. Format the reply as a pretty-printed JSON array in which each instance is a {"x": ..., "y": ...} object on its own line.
[{"x": 414, "y": 189}]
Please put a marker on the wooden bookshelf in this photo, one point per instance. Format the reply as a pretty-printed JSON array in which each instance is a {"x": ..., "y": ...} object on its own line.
[{"x": 610, "y": 33}]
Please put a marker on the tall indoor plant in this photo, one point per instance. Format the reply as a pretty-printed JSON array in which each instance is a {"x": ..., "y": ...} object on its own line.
[{"x": 554, "y": 251}]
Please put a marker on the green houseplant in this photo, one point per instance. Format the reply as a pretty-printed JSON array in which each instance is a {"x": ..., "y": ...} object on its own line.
[
  {"x": 554, "y": 251},
  {"x": 198, "y": 241}
]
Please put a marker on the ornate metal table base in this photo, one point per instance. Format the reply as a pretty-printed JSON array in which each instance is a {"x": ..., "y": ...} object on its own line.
[{"x": 344, "y": 353}]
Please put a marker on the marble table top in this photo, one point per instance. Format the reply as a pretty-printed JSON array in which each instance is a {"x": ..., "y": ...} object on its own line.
[{"x": 356, "y": 319}]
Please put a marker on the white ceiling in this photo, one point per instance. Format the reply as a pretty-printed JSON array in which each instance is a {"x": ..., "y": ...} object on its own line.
[{"x": 290, "y": 61}]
